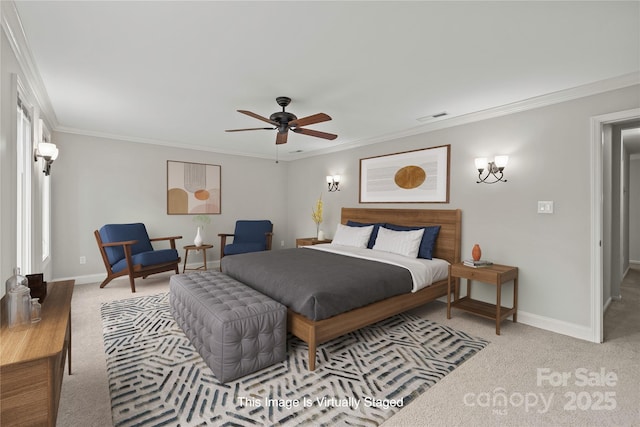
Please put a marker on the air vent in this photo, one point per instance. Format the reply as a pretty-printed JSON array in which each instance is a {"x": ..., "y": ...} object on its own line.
[{"x": 432, "y": 117}]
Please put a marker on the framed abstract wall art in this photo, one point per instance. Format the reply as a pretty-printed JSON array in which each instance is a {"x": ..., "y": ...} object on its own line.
[
  {"x": 418, "y": 176},
  {"x": 193, "y": 188}
]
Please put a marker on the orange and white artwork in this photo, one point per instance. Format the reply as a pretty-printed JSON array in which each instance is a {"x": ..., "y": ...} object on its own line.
[
  {"x": 193, "y": 188},
  {"x": 417, "y": 176}
]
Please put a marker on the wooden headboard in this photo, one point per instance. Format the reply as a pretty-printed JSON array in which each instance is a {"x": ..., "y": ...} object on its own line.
[{"x": 449, "y": 220}]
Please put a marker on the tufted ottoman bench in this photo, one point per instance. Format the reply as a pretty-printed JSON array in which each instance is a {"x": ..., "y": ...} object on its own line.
[{"x": 236, "y": 329}]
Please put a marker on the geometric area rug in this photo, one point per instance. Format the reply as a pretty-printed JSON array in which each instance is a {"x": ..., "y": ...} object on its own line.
[{"x": 157, "y": 378}]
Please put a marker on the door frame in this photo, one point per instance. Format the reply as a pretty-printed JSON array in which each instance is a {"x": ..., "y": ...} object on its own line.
[{"x": 597, "y": 212}]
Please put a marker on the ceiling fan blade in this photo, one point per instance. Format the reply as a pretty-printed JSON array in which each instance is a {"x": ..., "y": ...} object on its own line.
[
  {"x": 310, "y": 120},
  {"x": 257, "y": 116},
  {"x": 240, "y": 130},
  {"x": 282, "y": 138},
  {"x": 315, "y": 133}
]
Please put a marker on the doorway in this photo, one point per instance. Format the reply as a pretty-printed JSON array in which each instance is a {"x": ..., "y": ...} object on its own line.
[{"x": 605, "y": 243}]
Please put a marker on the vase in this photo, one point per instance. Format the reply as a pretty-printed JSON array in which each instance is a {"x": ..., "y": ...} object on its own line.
[
  {"x": 320, "y": 235},
  {"x": 198, "y": 239},
  {"x": 476, "y": 252}
]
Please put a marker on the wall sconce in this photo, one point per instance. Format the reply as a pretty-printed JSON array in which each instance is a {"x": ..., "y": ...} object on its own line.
[
  {"x": 333, "y": 182},
  {"x": 494, "y": 168},
  {"x": 48, "y": 152}
]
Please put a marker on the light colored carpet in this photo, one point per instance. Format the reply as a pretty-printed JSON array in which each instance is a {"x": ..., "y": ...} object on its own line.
[{"x": 472, "y": 395}]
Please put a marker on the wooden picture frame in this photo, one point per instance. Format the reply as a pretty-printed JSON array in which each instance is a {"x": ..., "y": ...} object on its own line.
[
  {"x": 193, "y": 188},
  {"x": 416, "y": 176}
]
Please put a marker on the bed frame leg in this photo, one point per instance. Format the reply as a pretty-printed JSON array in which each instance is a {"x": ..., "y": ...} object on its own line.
[{"x": 312, "y": 356}]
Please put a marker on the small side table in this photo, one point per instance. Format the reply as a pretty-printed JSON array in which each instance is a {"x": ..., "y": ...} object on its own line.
[
  {"x": 495, "y": 275},
  {"x": 202, "y": 248},
  {"x": 309, "y": 241}
]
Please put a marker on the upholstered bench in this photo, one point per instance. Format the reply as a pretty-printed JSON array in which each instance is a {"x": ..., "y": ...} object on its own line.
[{"x": 236, "y": 329}]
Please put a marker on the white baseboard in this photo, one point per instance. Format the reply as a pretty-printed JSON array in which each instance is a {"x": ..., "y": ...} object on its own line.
[
  {"x": 83, "y": 280},
  {"x": 557, "y": 326},
  {"x": 549, "y": 324},
  {"x": 99, "y": 277}
]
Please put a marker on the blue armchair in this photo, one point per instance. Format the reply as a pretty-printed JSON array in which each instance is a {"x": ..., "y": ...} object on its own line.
[
  {"x": 249, "y": 236},
  {"x": 126, "y": 250}
]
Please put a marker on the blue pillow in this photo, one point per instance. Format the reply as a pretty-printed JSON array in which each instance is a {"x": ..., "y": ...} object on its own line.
[
  {"x": 374, "y": 233},
  {"x": 428, "y": 238}
]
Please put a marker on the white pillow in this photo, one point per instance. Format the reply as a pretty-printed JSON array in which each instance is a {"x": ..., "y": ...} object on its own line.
[
  {"x": 352, "y": 236},
  {"x": 405, "y": 243}
]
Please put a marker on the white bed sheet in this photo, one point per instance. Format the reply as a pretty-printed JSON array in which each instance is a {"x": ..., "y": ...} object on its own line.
[{"x": 424, "y": 272}]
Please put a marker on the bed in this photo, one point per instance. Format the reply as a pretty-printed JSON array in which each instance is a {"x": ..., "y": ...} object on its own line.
[{"x": 314, "y": 324}]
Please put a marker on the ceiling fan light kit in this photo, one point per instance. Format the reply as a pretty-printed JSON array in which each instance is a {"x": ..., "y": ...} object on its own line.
[{"x": 284, "y": 121}]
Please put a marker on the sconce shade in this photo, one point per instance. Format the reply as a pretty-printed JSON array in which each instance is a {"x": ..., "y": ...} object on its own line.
[
  {"x": 329, "y": 179},
  {"x": 501, "y": 161},
  {"x": 47, "y": 149},
  {"x": 481, "y": 163},
  {"x": 48, "y": 152}
]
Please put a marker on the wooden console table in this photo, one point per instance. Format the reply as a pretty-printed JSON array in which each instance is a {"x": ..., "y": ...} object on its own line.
[
  {"x": 494, "y": 274},
  {"x": 32, "y": 361}
]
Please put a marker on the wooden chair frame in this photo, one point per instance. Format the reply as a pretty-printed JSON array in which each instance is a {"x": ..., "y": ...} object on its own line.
[{"x": 135, "y": 270}]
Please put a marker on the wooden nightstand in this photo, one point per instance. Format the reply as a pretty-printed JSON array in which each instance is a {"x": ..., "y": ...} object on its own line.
[
  {"x": 495, "y": 275},
  {"x": 308, "y": 241}
]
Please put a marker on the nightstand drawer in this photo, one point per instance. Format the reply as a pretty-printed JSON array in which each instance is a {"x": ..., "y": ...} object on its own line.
[{"x": 481, "y": 274}]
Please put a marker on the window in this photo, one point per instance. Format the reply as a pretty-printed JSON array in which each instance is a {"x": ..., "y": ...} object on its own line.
[
  {"x": 45, "y": 193},
  {"x": 24, "y": 152}
]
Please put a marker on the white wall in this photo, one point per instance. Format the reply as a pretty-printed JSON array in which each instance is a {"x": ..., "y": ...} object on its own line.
[
  {"x": 634, "y": 210},
  {"x": 549, "y": 159},
  {"x": 98, "y": 181}
]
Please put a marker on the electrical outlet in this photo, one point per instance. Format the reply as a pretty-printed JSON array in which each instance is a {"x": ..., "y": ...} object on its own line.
[
  {"x": 83, "y": 260},
  {"x": 282, "y": 243}
]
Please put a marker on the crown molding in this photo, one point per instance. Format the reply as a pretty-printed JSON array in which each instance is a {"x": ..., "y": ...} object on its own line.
[
  {"x": 12, "y": 27},
  {"x": 546, "y": 100},
  {"x": 163, "y": 143},
  {"x": 595, "y": 88}
]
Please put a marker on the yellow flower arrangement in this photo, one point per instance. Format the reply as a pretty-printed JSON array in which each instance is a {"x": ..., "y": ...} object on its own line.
[{"x": 316, "y": 214}]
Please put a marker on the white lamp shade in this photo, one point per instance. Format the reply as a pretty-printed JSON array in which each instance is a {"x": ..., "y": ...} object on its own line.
[
  {"x": 501, "y": 161},
  {"x": 329, "y": 179},
  {"x": 336, "y": 178},
  {"x": 47, "y": 149},
  {"x": 481, "y": 163}
]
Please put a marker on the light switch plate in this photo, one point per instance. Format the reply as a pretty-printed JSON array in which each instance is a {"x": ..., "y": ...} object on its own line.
[{"x": 545, "y": 207}]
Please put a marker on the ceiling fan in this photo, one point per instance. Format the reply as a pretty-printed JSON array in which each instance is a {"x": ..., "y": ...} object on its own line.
[{"x": 285, "y": 121}]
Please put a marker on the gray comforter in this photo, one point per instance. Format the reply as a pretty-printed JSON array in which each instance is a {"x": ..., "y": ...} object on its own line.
[{"x": 317, "y": 284}]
